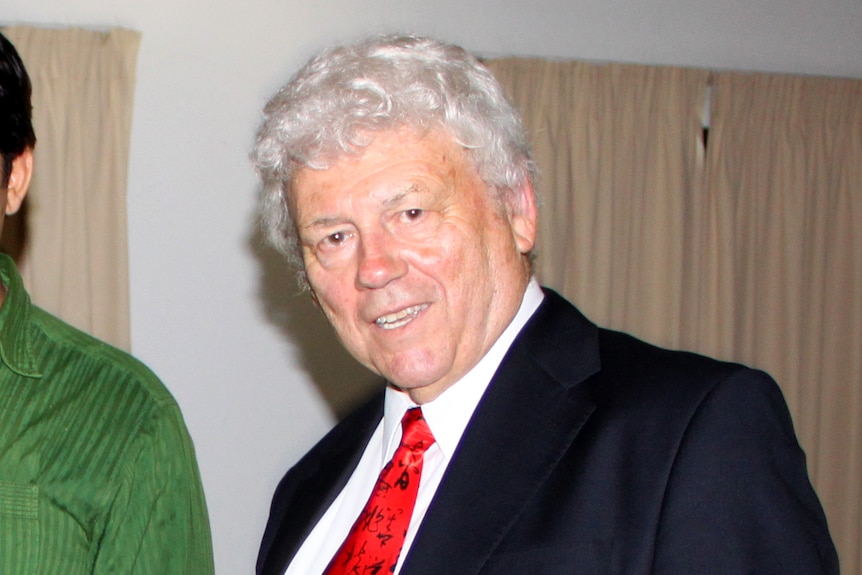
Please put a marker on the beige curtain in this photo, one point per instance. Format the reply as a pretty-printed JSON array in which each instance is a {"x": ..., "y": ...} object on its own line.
[
  {"x": 745, "y": 249},
  {"x": 620, "y": 152},
  {"x": 75, "y": 260},
  {"x": 782, "y": 274}
]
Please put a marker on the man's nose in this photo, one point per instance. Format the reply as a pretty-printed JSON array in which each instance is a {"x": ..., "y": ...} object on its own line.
[{"x": 380, "y": 261}]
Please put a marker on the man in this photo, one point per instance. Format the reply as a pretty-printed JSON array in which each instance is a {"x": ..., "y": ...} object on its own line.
[
  {"x": 97, "y": 471},
  {"x": 398, "y": 178}
]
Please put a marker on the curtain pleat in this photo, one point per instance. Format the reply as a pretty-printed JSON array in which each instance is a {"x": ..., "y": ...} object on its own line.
[
  {"x": 75, "y": 261},
  {"x": 748, "y": 248}
]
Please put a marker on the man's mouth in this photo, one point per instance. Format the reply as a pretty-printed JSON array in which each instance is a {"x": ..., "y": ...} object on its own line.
[{"x": 399, "y": 318}]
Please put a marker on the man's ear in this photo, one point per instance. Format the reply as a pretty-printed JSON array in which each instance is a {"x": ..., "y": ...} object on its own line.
[
  {"x": 19, "y": 181},
  {"x": 521, "y": 207}
]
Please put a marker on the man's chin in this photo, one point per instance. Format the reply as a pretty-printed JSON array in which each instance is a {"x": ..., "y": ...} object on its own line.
[{"x": 421, "y": 392}]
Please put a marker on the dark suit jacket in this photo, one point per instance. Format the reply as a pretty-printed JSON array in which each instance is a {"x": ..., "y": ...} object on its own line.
[{"x": 595, "y": 453}]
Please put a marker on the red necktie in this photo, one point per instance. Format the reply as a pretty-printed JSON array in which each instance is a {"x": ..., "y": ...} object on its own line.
[{"x": 376, "y": 539}]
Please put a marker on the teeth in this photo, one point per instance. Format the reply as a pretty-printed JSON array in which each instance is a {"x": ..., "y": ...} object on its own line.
[{"x": 403, "y": 317}]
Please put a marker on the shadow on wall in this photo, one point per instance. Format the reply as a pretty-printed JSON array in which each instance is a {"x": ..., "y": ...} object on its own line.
[{"x": 342, "y": 381}]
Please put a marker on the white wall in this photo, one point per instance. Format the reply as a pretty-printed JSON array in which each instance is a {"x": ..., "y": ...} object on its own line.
[{"x": 224, "y": 331}]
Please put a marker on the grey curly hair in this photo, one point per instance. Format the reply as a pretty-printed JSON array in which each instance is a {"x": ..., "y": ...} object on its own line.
[{"x": 335, "y": 103}]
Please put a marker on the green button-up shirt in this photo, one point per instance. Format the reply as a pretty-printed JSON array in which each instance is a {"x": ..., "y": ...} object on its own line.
[{"x": 97, "y": 471}]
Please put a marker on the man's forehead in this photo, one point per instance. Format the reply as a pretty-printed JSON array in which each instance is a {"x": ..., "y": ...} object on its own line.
[
  {"x": 359, "y": 143},
  {"x": 429, "y": 152}
]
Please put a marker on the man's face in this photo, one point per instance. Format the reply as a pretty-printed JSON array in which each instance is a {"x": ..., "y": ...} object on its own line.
[{"x": 414, "y": 264}]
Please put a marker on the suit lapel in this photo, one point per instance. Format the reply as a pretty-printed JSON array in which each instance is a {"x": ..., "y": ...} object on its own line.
[
  {"x": 311, "y": 485},
  {"x": 522, "y": 427}
]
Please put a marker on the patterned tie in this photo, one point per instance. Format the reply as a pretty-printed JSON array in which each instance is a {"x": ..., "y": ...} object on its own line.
[{"x": 376, "y": 539}]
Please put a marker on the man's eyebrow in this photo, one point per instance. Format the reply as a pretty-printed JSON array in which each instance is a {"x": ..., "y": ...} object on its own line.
[
  {"x": 320, "y": 222},
  {"x": 411, "y": 190},
  {"x": 395, "y": 199}
]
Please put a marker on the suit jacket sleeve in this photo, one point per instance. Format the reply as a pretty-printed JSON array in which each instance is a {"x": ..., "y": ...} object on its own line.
[{"x": 738, "y": 499}]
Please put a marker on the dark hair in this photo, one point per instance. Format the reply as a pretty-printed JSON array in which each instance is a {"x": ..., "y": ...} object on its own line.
[{"x": 16, "y": 110}]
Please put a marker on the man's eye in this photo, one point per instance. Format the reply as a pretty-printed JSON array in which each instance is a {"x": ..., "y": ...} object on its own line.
[
  {"x": 413, "y": 214},
  {"x": 335, "y": 239}
]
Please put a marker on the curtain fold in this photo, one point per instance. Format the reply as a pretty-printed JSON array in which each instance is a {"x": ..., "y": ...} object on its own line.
[
  {"x": 748, "y": 249},
  {"x": 75, "y": 261}
]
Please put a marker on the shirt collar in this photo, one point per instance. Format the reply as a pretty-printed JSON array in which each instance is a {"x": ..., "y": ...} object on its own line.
[
  {"x": 448, "y": 414},
  {"x": 15, "y": 349}
]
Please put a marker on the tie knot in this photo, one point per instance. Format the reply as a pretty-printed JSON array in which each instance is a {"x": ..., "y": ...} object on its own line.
[{"x": 415, "y": 433}]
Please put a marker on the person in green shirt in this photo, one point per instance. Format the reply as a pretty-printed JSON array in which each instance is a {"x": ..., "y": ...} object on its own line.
[{"x": 97, "y": 471}]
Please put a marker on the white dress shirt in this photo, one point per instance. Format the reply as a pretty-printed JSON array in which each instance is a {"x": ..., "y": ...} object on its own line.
[{"x": 447, "y": 416}]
